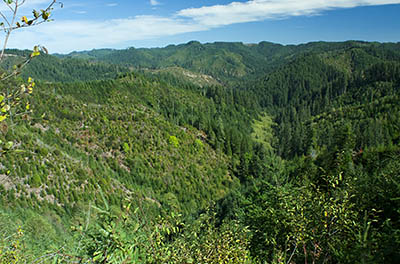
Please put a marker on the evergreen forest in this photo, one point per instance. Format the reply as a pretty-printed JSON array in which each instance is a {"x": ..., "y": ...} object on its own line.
[{"x": 203, "y": 153}]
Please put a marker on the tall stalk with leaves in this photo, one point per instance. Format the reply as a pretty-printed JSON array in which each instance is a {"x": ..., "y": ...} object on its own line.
[{"x": 14, "y": 103}]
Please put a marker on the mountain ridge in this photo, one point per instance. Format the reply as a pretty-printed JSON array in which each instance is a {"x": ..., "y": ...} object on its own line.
[{"x": 245, "y": 151}]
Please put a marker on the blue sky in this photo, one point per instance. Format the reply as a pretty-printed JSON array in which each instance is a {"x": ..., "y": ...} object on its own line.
[{"x": 89, "y": 24}]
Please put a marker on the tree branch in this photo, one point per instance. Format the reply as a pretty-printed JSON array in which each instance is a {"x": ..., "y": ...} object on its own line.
[{"x": 33, "y": 22}]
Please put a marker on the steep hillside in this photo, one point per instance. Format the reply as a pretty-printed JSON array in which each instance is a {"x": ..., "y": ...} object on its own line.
[
  {"x": 174, "y": 74},
  {"x": 225, "y": 152},
  {"x": 109, "y": 136},
  {"x": 111, "y": 124},
  {"x": 311, "y": 84}
]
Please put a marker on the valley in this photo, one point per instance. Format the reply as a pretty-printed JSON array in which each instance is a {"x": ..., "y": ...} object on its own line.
[{"x": 205, "y": 153}]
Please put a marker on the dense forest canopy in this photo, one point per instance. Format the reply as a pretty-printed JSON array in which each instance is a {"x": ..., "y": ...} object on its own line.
[{"x": 206, "y": 153}]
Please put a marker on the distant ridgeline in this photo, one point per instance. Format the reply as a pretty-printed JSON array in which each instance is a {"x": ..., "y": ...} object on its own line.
[{"x": 242, "y": 152}]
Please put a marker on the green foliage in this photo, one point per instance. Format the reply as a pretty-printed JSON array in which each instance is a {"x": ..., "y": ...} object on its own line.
[
  {"x": 126, "y": 148},
  {"x": 297, "y": 145},
  {"x": 11, "y": 248},
  {"x": 263, "y": 132},
  {"x": 107, "y": 240},
  {"x": 35, "y": 181},
  {"x": 198, "y": 145},
  {"x": 173, "y": 141},
  {"x": 300, "y": 223},
  {"x": 198, "y": 242}
]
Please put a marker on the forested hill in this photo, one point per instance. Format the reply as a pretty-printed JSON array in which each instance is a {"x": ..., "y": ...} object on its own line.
[
  {"x": 53, "y": 69},
  {"x": 205, "y": 153},
  {"x": 226, "y": 61}
]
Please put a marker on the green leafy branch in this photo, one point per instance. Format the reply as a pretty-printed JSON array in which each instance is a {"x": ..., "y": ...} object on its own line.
[
  {"x": 10, "y": 23},
  {"x": 14, "y": 93}
]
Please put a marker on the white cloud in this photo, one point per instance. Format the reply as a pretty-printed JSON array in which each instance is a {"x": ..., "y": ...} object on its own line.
[
  {"x": 66, "y": 36},
  {"x": 256, "y": 10},
  {"x": 112, "y": 4}
]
